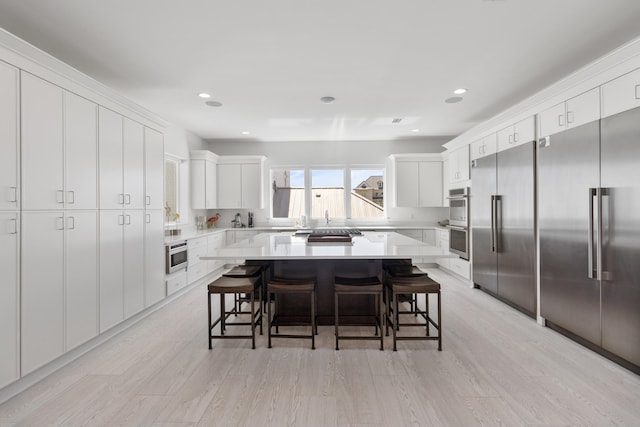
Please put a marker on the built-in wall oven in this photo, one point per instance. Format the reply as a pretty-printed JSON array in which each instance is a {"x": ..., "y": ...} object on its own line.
[
  {"x": 176, "y": 256},
  {"x": 459, "y": 221}
]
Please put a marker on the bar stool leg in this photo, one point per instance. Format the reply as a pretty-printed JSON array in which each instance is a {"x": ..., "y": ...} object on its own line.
[
  {"x": 209, "y": 325},
  {"x": 269, "y": 319},
  {"x": 395, "y": 319},
  {"x": 387, "y": 310},
  {"x": 223, "y": 316},
  {"x": 426, "y": 303},
  {"x": 260, "y": 318},
  {"x": 335, "y": 303},
  {"x": 314, "y": 331},
  {"x": 380, "y": 320},
  {"x": 439, "y": 324},
  {"x": 253, "y": 322}
]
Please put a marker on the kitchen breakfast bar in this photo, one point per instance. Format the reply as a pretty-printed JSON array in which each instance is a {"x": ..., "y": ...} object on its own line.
[{"x": 296, "y": 255}]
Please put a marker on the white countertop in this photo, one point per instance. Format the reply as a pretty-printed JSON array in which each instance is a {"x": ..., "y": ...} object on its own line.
[{"x": 284, "y": 246}]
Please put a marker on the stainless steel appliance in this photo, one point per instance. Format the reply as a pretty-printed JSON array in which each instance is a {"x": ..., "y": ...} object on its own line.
[
  {"x": 459, "y": 221},
  {"x": 502, "y": 225},
  {"x": 176, "y": 256},
  {"x": 589, "y": 204}
]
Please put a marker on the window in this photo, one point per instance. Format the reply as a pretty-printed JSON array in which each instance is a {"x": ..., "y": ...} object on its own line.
[
  {"x": 287, "y": 193},
  {"x": 327, "y": 193},
  {"x": 367, "y": 194},
  {"x": 171, "y": 189}
]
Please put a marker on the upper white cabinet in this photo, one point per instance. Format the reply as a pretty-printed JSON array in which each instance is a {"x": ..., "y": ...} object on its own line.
[
  {"x": 59, "y": 147},
  {"x": 621, "y": 94},
  {"x": 484, "y": 147},
  {"x": 445, "y": 182},
  {"x": 203, "y": 179},
  {"x": 240, "y": 180},
  {"x": 9, "y": 131},
  {"x": 153, "y": 169},
  {"x": 519, "y": 133},
  {"x": 459, "y": 165},
  {"x": 121, "y": 143},
  {"x": 9, "y": 300},
  {"x": 577, "y": 111},
  {"x": 418, "y": 180}
]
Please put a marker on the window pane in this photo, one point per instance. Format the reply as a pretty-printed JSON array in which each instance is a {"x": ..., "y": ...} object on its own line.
[
  {"x": 287, "y": 191},
  {"x": 367, "y": 193},
  {"x": 327, "y": 193}
]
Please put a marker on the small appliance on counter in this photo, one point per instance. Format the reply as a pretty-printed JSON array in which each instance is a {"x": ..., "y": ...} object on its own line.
[
  {"x": 250, "y": 220},
  {"x": 200, "y": 222}
]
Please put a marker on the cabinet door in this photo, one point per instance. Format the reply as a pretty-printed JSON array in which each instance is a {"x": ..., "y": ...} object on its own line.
[
  {"x": 111, "y": 269},
  {"x": 463, "y": 163},
  {"x": 215, "y": 241},
  {"x": 583, "y": 108},
  {"x": 229, "y": 186},
  {"x": 430, "y": 184},
  {"x": 9, "y": 102},
  {"x": 407, "y": 183},
  {"x": 110, "y": 158},
  {"x": 198, "y": 180},
  {"x": 210, "y": 186},
  {"x": 81, "y": 152},
  {"x": 153, "y": 169},
  {"x": 429, "y": 236},
  {"x": 251, "y": 186},
  {"x": 524, "y": 131},
  {"x": 81, "y": 261},
  {"x": 133, "y": 262},
  {"x": 621, "y": 94},
  {"x": 445, "y": 182},
  {"x": 476, "y": 149},
  {"x": 552, "y": 120},
  {"x": 155, "y": 289},
  {"x": 42, "y": 292},
  {"x": 505, "y": 138},
  {"x": 42, "y": 149},
  {"x": 133, "y": 164},
  {"x": 9, "y": 301}
]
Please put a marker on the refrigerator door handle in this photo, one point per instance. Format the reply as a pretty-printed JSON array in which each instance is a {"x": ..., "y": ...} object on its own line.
[
  {"x": 493, "y": 223},
  {"x": 592, "y": 193},
  {"x": 498, "y": 220},
  {"x": 599, "y": 192}
]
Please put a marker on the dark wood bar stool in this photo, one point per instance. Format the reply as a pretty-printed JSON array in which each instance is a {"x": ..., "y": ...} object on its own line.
[
  {"x": 227, "y": 285},
  {"x": 278, "y": 286},
  {"x": 250, "y": 269},
  {"x": 412, "y": 285},
  {"x": 403, "y": 268},
  {"x": 359, "y": 286}
]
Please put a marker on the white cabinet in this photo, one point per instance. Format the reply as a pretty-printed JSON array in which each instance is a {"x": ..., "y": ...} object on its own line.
[
  {"x": 9, "y": 125},
  {"x": 459, "y": 165},
  {"x": 59, "y": 284},
  {"x": 9, "y": 298},
  {"x": 621, "y": 94},
  {"x": 42, "y": 144},
  {"x": 121, "y": 266},
  {"x": 121, "y": 148},
  {"x": 484, "y": 146},
  {"x": 176, "y": 281},
  {"x": 577, "y": 111},
  {"x": 215, "y": 241},
  {"x": 240, "y": 182},
  {"x": 445, "y": 182},
  {"x": 153, "y": 169},
  {"x": 442, "y": 243},
  {"x": 519, "y": 133},
  {"x": 429, "y": 236},
  {"x": 196, "y": 268},
  {"x": 203, "y": 179},
  {"x": 418, "y": 183},
  {"x": 154, "y": 257}
]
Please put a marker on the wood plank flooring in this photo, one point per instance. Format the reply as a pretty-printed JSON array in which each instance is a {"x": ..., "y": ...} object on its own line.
[{"x": 497, "y": 367}]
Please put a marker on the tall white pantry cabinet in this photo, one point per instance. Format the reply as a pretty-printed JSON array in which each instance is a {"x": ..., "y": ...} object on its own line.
[{"x": 81, "y": 193}]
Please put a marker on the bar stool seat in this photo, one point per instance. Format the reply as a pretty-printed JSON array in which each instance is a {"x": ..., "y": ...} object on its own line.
[
  {"x": 281, "y": 285},
  {"x": 414, "y": 286},
  {"x": 229, "y": 285},
  {"x": 359, "y": 286}
]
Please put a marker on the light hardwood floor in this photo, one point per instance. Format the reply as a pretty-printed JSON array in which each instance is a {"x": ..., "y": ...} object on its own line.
[{"x": 497, "y": 367}]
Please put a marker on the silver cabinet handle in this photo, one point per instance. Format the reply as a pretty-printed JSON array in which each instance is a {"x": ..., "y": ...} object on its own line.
[
  {"x": 510, "y": 138},
  {"x": 515, "y": 137},
  {"x": 569, "y": 117},
  {"x": 592, "y": 194},
  {"x": 120, "y": 219},
  {"x": 13, "y": 228},
  {"x": 73, "y": 223},
  {"x": 59, "y": 223},
  {"x": 560, "y": 119},
  {"x": 59, "y": 196},
  {"x": 148, "y": 218},
  {"x": 71, "y": 197},
  {"x": 127, "y": 220},
  {"x": 148, "y": 200},
  {"x": 637, "y": 91},
  {"x": 13, "y": 194},
  {"x": 121, "y": 199},
  {"x": 127, "y": 198}
]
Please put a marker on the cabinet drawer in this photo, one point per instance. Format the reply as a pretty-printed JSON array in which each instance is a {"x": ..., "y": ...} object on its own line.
[
  {"x": 194, "y": 254},
  {"x": 621, "y": 94},
  {"x": 196, "y": 272},
  {"x": 215, "y": 241},
  {"x": 414, "y": 234},
  {"x": 460, "y": 267},
  {"x": 176, "y": 281},
  {"x": 196, "y": 243}
]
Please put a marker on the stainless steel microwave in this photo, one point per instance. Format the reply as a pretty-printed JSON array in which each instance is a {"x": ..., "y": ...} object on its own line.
[
  {"x": 459, "y": 241},
  {"x": 459, "y": 207},
  {"x": 176, "y": 256}
]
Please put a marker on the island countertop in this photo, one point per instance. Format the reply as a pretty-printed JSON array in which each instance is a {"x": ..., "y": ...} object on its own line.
[{"x": 285, "y": 246}]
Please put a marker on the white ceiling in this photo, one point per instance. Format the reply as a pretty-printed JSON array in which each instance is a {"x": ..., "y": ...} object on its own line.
[{"x": 269, "y": 62}]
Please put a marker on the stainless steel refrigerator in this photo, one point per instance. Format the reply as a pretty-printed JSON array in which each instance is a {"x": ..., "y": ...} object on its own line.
[
  {"x": 589, "y": 222},
  {"x": 502, "y": 225}
]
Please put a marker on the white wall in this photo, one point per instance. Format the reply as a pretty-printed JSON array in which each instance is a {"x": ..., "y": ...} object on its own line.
[{"x": 331, "y": 153}]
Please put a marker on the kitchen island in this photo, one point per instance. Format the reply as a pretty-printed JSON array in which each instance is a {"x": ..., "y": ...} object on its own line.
[{"x": 293, "y": 256}]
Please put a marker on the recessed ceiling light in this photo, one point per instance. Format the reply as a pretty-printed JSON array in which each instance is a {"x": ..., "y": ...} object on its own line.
[
  {"x": 244, "y": 132},
  {"x": 214, "y": 103},
  {"x": 460, "y": 91},
  {"x": 453, "y": 99},
  {"x": 204, "y": 95},
  {"x": 415, "y": 130},
  {"x": 327, "y": 99},
  {"x": 396, "y": 120}
]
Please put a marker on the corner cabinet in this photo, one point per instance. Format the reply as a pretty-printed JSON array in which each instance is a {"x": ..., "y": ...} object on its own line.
[
  {"x": 240, "y": 182},
  {"x": 459, "y": 165},
  {"x": 418, "y": 180},
  {"x": 203, "y": 180}
]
